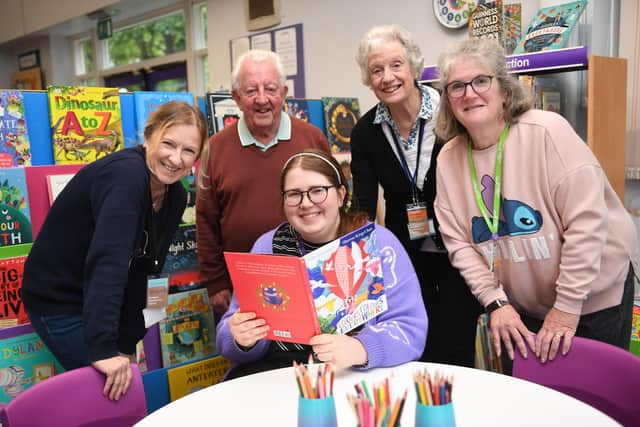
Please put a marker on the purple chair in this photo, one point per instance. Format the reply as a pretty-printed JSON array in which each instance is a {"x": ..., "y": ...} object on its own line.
[
  {"x": 599, "y": 374},
  {"x": 74, "y": 399}
]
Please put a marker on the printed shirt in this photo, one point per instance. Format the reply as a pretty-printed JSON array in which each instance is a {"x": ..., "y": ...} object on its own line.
[{"x": 247, "y": 139}]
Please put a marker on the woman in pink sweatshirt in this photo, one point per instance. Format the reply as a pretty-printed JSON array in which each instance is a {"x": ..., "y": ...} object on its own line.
[{"x": 527, "y": 213}]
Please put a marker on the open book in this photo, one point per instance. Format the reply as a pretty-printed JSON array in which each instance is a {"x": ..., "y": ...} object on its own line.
[{"x": 333, "y": 289}]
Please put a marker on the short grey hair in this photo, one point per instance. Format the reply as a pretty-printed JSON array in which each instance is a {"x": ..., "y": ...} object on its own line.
[
  {"x": 257, "y": 55},
  {"x": 379, "y": 35},
  {"x": 488, "y": 53}
]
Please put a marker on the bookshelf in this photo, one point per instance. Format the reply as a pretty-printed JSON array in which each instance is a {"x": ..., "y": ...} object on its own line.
[{"x": 606, "y": 101}]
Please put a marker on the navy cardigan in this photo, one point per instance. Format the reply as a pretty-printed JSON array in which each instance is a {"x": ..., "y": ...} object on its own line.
[{"x": 85, "y": 258}]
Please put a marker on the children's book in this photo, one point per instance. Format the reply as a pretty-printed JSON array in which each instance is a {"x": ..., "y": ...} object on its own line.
[
  {"x": 550, "y": 27},
  {"x": 26, "y": 361},
  {"x": 195, "y": 376},
  {"x": 12, "y": 259},
  {"x": 15, "y": 219},
  {"x": 512, "y": 25},
  {"x": 181, "y": 264},
  {"x": 308, "y": 110},
  {"x": 86, "y": 123},
  {"x": 56, "y": 183},
  {"x": 340, "y": 116},
  {"x": 189, "y": 184},
  {"x": 147, "y": 102},
  {"x": 14, "y": 139},
  {"x": 188, "y": 332},
  {"x": 333, "y": 289},
  {"x": 222, "y": 111},
  {"x": 485, "y": 22},
  {"x": 634, "y": 344}
]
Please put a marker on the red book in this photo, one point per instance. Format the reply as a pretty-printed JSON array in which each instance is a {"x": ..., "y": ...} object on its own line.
[
  {"x": 12, "y": 310},
  {"x": 333, "y": 289}
]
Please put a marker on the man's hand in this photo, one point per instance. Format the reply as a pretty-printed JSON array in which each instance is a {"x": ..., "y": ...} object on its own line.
[{"x": 220, "y": 301}]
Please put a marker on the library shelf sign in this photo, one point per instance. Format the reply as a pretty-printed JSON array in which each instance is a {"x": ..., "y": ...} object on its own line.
[{"x": 569, "y": 59}]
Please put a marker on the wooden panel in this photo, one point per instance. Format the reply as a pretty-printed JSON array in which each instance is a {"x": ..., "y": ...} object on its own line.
[
  {"x": 606, "y": 116},
  {"x": 11, "y": 22}
]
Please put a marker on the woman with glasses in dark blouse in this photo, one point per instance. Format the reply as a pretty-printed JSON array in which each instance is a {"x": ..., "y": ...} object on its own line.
[{"x": 314, "y": 197}]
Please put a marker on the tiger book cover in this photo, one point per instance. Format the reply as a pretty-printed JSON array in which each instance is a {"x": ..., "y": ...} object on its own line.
[
  {"x": 333, "y": 289},
  {"x": 14, "y": 137},
  {"x": 188, "y": 331},
  {"x": 191, "y": 377},
  {"x": 15, "y": 217},
  {"x": 340, "y": 116},
  {"x": 86, "y": 123}
]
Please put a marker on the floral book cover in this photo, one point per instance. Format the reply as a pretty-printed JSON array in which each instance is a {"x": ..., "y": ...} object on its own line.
[
  {"x": 86, "y": 123},
  {"x": 15, "y": 217},
  {"x": 550, "y": 27},
  {"x": 188, "y": 332},
  {"x": 340, "y": 116},
  {"x": 333, "y": 289},
  {"x": 14, "y": 138}
]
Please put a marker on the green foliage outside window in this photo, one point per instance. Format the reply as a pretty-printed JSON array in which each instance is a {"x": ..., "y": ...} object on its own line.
[{"x": 153, "y": 39}]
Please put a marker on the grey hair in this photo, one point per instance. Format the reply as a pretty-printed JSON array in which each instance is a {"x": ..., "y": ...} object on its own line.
[
  {"x": 257, "y": 55},
  {"x": 488, "y": 53},
  {"x": 379, "y": 35}
]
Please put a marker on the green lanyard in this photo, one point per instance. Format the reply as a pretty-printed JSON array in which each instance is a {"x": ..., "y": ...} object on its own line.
[{"x": 492, "y": 223}]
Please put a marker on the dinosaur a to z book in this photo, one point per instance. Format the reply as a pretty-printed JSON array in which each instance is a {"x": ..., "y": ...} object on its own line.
[{"x": 86, "y": 123}]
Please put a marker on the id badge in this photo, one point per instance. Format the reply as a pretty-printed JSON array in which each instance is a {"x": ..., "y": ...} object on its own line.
[
  {"x": 417, "y": 221},
  {"x": 157, "y": 291}
]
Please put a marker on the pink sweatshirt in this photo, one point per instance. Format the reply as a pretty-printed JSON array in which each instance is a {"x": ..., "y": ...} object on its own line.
[{"x": 566, "y": 240}]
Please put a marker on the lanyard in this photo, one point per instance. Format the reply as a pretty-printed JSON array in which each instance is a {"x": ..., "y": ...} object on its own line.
[
  {"x": 492, "y": 223},
  {"x": 403, "y": 161}
]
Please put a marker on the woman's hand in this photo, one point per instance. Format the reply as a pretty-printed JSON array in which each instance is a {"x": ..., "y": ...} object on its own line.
[
  {"x": 341, "y": 350},
  {"x": 557, "y": 325},
  {"x": 507, "y": 327},
  {"x": 246, "y": 328},
  {"x": 118, "y": 372}
]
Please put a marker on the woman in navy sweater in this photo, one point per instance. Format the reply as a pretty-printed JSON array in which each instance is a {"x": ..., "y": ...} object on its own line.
[{"x": 84, "y": 284}]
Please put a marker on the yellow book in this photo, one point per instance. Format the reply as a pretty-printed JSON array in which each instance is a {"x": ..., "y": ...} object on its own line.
[
  {"x": 86, "y": 123},
  {"x": 194, "y": 376}
]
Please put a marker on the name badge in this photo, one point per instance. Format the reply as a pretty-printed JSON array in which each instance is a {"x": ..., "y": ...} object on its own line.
[{"x": 417, "y": 221}]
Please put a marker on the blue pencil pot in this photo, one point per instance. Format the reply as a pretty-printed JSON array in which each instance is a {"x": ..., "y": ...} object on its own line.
[
  {"x": 435, "y": 415},
  {"x": 317, "y": 412}
]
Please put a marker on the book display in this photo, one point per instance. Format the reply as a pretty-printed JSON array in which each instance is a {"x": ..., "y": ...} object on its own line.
[
  {"x": 512, "y": 14},
  {"x": 14, "y": 136},
  {"x": 147, "y": 102},
  {"x": 333, "y": 289}
]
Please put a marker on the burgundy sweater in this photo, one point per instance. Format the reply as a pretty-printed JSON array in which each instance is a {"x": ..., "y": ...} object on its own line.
[{"x": 242, "y": 198}]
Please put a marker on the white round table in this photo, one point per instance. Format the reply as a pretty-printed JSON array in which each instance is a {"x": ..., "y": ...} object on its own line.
[{"x": 480, "y": 398}]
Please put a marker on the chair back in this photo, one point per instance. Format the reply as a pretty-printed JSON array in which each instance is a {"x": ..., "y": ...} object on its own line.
[
  {"x": 599, "y": 374},
  {"x": 74, "y": 399}
]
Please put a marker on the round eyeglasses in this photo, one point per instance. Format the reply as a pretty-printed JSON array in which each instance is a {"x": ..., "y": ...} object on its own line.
[
  {"x": 479, "y": 84},
  {"x": 316, "y": 195}
]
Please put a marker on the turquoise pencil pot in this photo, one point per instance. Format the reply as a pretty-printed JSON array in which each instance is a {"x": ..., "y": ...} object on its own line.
[
  {"x": 435, "y": 415},
  {"x": 317, "y": 412}
]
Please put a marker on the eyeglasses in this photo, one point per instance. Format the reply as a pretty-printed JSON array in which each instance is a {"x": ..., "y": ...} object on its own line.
[
  {"x": 479, "y": 84},
  {"x": 316, "y": 195}
]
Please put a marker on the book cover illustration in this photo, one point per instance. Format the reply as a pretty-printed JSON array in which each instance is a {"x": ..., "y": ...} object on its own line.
[
  {"x": 12, "y": 311},
  {"x": 298, "y": 108},
  {"x": 195, "y": 376},
  {"x": 333, "y": 289},
  {"x": 181, "y": 264},
  {"x": 188, "y": 332},
  {"x": 550, "y": 27},
  {"x": 15, "y": 219},
  {"x": 147, "y": 102},
  {"x": 189, "y": 184},
  {"x": 634, "y": 344},
  {"x": 56, "y": 183},
  {"x": 222, "y": 111},
  {"x": 340, "y": 116},
  {"x": 512, "y": 26},
  {"x": 14, "y": 138},
  {"x": 86, "y": 123},
  {"x": 26, "y": 361},
  {"x": 485, "y": 21}
]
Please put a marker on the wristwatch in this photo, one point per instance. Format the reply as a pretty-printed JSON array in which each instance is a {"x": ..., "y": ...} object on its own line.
[{"x": 496, "y": 305}]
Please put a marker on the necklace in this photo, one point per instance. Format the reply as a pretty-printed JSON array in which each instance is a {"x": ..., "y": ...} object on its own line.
[{"x": 157, "y": 200}]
